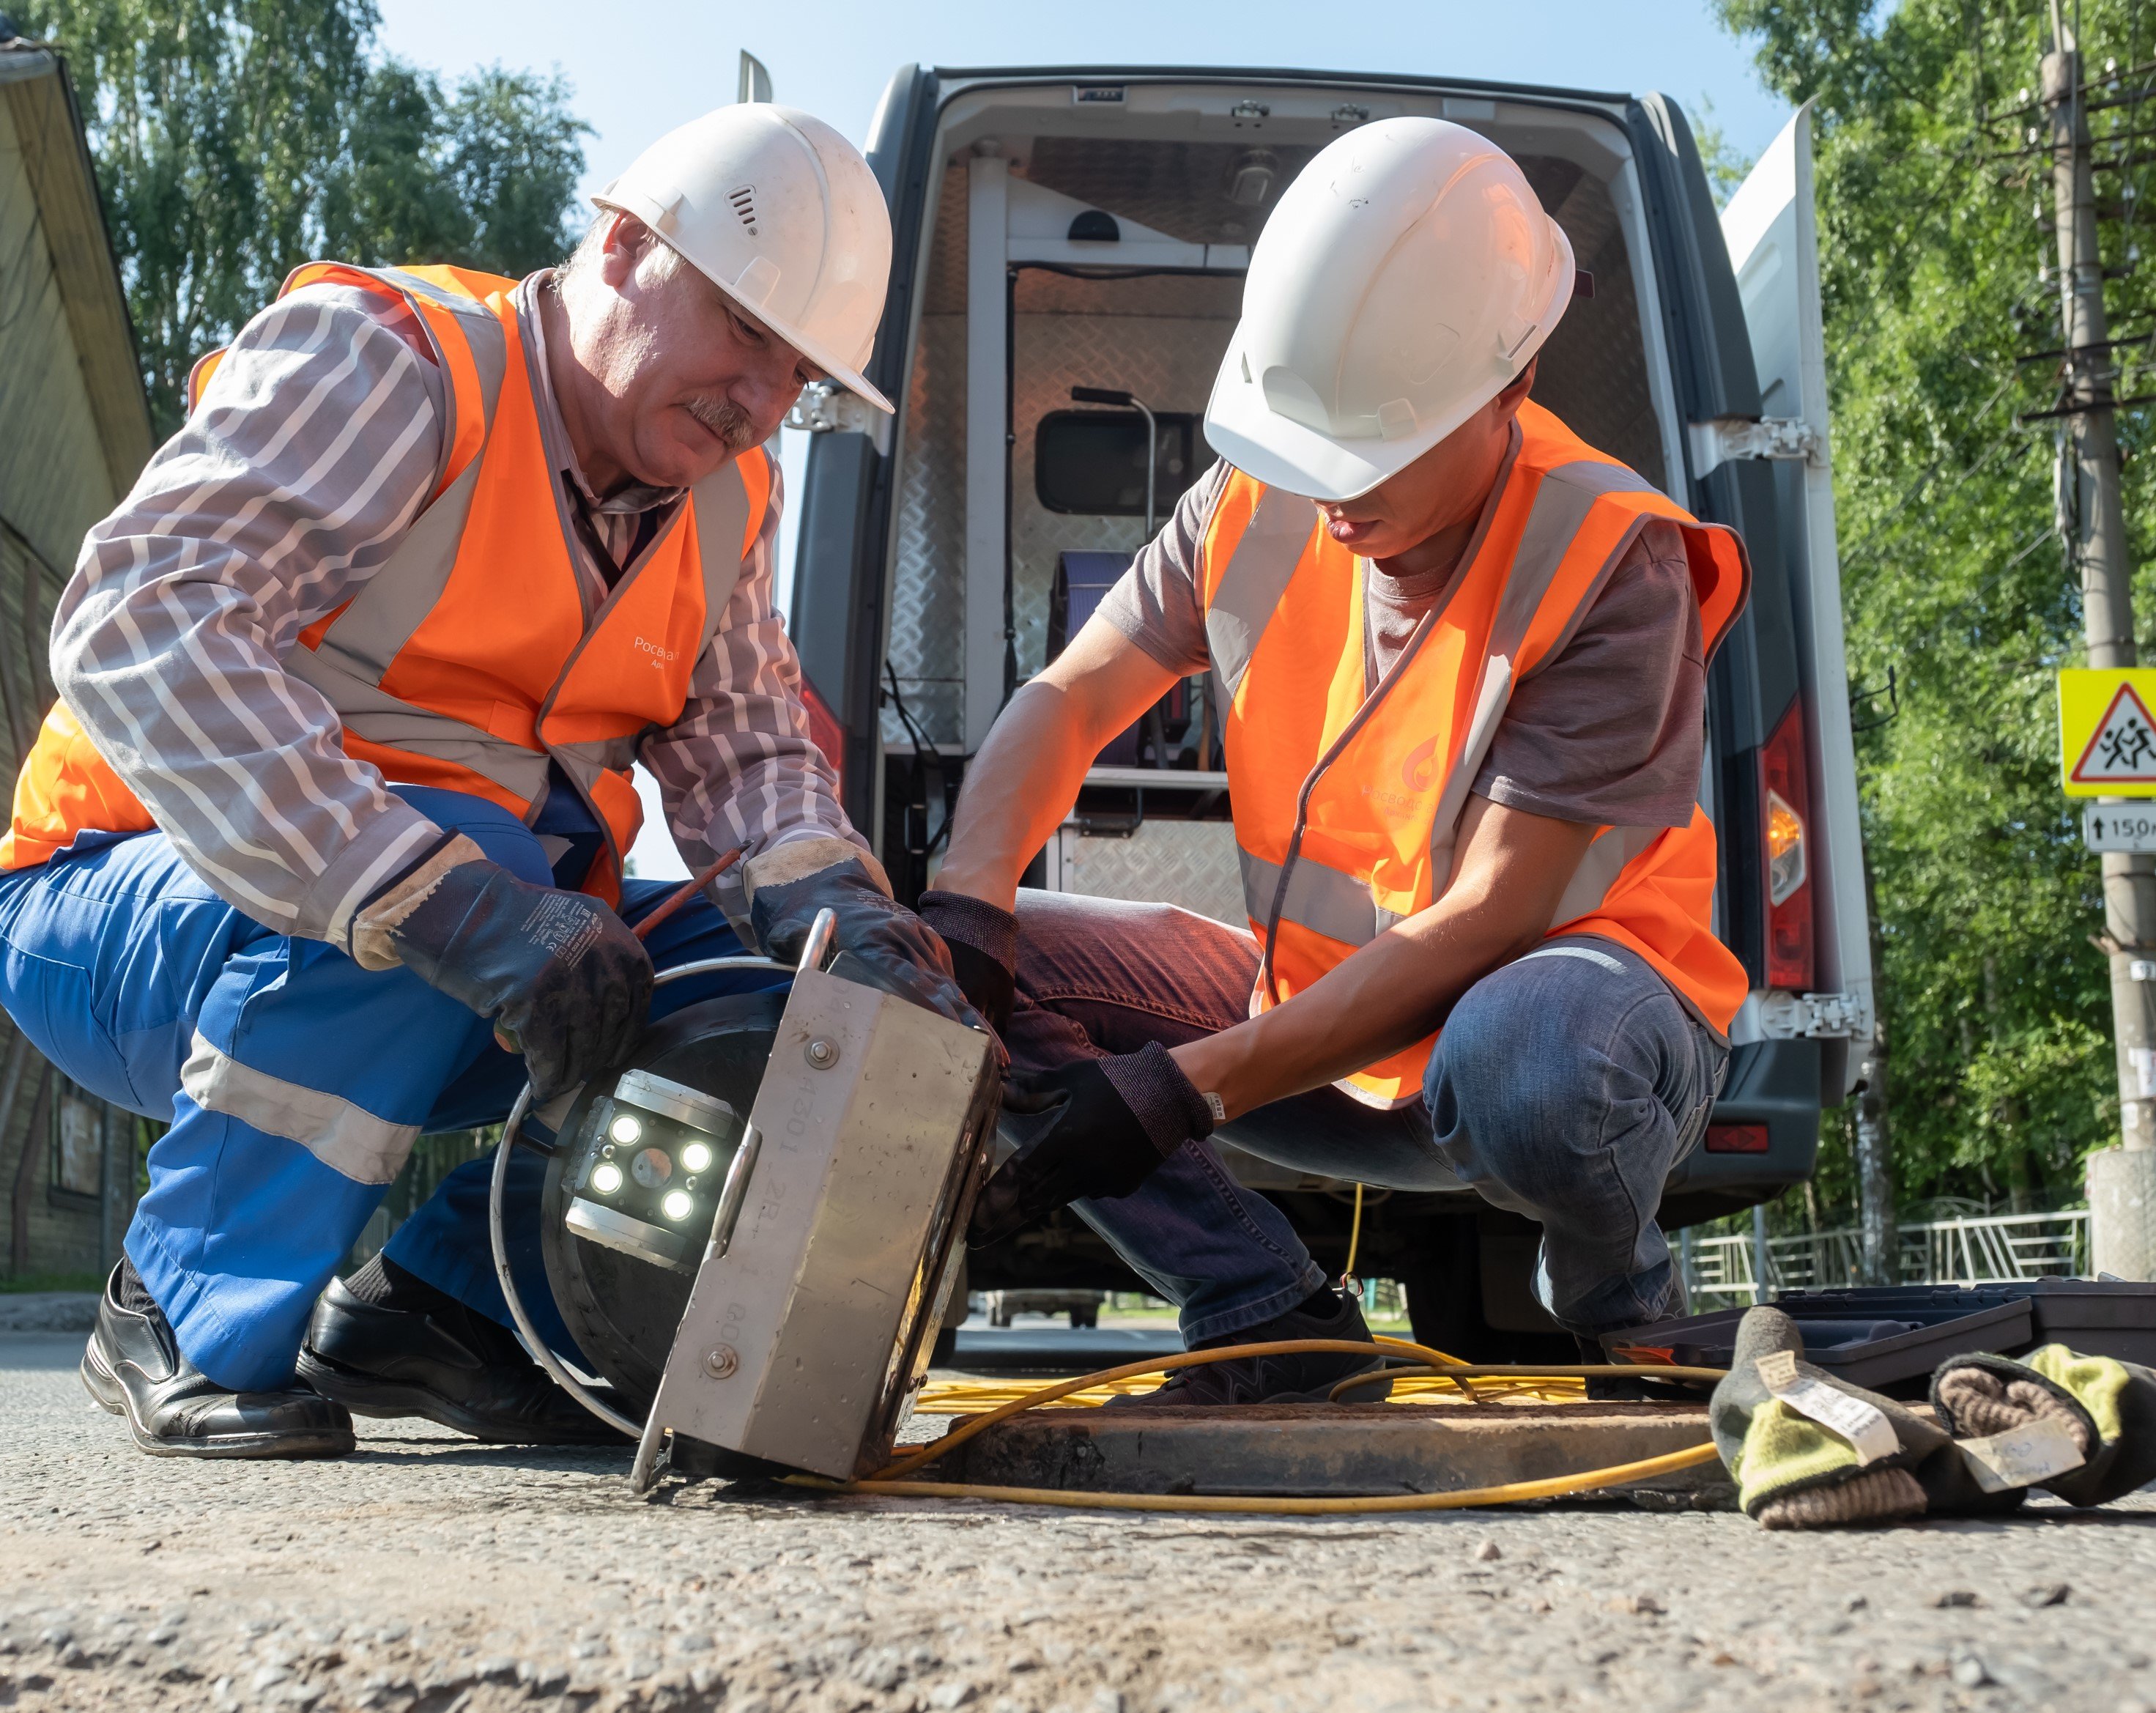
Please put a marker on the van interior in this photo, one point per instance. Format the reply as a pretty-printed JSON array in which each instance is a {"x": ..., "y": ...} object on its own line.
[{"x": 1126, "y": 228}]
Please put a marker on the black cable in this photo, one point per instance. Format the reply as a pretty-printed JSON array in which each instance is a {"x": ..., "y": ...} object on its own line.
[{"x": 921, "y": 742}]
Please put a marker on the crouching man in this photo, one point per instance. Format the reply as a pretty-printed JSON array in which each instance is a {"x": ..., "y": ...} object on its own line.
[
  {"x": 1458, "y": 658},
  {"x": 322, "y": 846}
]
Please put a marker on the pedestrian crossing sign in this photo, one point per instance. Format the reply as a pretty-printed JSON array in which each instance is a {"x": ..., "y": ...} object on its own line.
[{"x": 2108, "y": 731}]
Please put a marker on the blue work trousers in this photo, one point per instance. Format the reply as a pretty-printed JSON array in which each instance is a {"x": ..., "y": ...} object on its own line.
[
  {"x": 1565, "y": 1085},
  {"x": 294, "y": 1083}
]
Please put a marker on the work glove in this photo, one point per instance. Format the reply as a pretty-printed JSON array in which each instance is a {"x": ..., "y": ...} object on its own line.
[
  {"x": 1809, "y": 1452},
  {"x": 1104, "y": 1126},
  {"x": 563, "y": 979},
  {"x": 982, "y": 942},
  {"x": 2083, "y": 1428},
  {"x": 788, "y": 886}
]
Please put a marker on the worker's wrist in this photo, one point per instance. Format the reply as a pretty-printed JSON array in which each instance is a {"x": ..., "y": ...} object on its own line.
[
  {"x": 992, "y": 882},
  {"x": 1216, "y": 1064}
]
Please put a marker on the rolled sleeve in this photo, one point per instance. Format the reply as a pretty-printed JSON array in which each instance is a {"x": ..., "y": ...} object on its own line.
[
  {"x": 1612, "y": 731},
  {"x": 314, "y": 448}
]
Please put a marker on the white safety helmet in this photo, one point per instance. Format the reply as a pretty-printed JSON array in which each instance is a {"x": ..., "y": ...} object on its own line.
[
  {"x": 781, "y": 213},
  {"x": 1403, "y": 281}
]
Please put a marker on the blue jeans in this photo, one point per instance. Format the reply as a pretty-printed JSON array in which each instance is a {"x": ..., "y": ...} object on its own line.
[
  {"x": 1565, "y": 1087},
  {"x": 123, "y": 968}
]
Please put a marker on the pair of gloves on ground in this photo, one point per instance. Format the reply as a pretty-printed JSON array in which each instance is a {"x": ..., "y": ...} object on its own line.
[
  {"x": 1809, "y": 1451},
  {"x": 568, "y": 984}
]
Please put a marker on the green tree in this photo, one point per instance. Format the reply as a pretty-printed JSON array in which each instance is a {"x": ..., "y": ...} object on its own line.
[
  {"x": 1939, "y": 279},
  {"x": 236, "y": 139}
]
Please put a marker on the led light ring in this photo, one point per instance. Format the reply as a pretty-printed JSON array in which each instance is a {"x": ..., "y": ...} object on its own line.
[
  {"x": 498, "y": 1242},
  {"x": 606, "y": 1169}
]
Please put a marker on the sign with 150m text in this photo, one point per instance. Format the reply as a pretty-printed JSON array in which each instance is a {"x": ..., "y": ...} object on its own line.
[{"x": 2108, "y": 731}]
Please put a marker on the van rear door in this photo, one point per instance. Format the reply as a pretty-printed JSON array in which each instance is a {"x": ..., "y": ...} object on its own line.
[
  {"x": 1772, "y": 232},
  {"x": 839, "y": 592}
]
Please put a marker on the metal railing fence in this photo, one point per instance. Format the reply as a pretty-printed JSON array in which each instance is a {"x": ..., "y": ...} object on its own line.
[{"x": 1978, "y": 1249}]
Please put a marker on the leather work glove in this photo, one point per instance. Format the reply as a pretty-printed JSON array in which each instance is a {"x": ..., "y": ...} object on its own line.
[
  {"x": 2093, "y": 1417},
  {"x": 787, "y": 885},
  {"x": 1810, "y": 1451},
  {"x": 565, "y": 982},
  {"x": 982, "y": 941},
  {"x": 1106, "y": 1125}
]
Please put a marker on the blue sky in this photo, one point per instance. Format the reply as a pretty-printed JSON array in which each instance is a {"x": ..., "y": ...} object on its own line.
[{"x": 637, "y": 71}]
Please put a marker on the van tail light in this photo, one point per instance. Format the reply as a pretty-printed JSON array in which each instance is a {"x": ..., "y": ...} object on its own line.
[
  {"x": 1785, "y": 799},
  {"x": 824, "y": 730},
  {"x": 1738, "y": 1139}
]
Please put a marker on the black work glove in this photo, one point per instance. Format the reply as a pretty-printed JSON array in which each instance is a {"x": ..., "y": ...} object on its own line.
[
  {"x": 564, "y": 980},
  {"x": 1105, "y": 1127},
  {"x": 797, "y": 881},
  {"x": 982, "y": 941}
]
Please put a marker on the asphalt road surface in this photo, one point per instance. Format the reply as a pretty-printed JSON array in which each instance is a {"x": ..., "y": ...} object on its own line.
[{"x": 428, "y": 1572}]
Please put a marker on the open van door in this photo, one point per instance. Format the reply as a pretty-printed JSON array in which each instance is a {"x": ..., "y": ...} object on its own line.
[{"x": 1773, "y": 237}]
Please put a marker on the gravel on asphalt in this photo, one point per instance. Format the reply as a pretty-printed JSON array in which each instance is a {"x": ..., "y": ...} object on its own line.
[{"x": 428, "y": 1572}]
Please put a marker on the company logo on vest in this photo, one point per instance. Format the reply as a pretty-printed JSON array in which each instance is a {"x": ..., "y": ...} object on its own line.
[
  {"x": 661, "y": 656},
  {"x": 1419, "y": 772}
]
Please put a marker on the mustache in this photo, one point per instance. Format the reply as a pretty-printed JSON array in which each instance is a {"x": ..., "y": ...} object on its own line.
[{"x": 725, "y": 419}]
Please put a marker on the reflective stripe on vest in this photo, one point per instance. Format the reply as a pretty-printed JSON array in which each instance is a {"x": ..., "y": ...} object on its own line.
[
  {"x": 1348, "y": 800},
  {"x": 467, "y": 661}
]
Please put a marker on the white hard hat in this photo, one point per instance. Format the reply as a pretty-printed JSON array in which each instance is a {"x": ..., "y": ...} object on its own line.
[
  {"x": 1403, "y": 281},
  {"x": 781, "y": 213}
]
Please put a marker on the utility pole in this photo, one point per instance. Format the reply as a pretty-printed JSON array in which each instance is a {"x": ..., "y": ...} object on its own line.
[
  {"x": 1879, "y": 1262},
  {"x": 2122, "y": 1181}
]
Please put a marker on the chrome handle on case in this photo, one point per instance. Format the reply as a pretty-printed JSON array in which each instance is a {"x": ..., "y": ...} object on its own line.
[
  {"x": 823, "y": 935},
  {"x": 734, "y": 1190}
]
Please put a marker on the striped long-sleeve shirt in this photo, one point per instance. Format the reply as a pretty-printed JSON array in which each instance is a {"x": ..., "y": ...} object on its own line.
[{"x": 310, "y": 455}]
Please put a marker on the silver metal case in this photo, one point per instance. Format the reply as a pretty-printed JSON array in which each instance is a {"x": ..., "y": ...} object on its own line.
[{"x": 810, "y": 1323}]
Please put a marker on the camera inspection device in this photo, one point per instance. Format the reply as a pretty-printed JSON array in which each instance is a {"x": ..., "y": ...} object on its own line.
[{"x": 752, "y": 1226}]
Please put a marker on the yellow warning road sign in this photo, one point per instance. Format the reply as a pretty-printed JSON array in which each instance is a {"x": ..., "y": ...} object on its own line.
[{"x": 2108, "y": 731}]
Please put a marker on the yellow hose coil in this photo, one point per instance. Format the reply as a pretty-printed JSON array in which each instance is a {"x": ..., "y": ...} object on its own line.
[{"x": 1435, "y": 1365}]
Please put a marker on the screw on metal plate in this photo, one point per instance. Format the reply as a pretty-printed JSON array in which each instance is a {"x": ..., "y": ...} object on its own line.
[
  {"x": 823, "y": 1054},
  {"x": 721, "y": 1361}
]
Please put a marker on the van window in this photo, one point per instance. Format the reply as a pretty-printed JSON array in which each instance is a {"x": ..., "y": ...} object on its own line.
[{"x": 1092, "y": 463}]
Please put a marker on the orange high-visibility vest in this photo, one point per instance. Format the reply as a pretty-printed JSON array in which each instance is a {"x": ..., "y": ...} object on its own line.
[
  {"x": 1348, "y": 800},
  {"x": 467, "y": 663}
]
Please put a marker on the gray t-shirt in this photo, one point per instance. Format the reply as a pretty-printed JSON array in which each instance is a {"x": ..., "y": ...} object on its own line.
[{"x": 1611, "y": 731}]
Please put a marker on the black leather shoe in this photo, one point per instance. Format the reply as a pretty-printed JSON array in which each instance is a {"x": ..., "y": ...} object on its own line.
[
  {"x": 133, "y": 1367},
  {"x": 1306, "y": 1379},
  {"x": 454, "y": 1367}
]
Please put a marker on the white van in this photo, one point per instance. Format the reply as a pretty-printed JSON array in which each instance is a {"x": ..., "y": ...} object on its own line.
[{"x": 1064, "y": 232}]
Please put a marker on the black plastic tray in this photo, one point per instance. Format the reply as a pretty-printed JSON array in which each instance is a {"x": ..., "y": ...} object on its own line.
[{"x": 1891, "y": 1338}]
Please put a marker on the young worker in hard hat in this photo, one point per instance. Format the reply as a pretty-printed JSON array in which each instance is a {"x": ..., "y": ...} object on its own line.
[
  {"x": 1458, "y": 656},
  {"x": 333, "y": 807}
]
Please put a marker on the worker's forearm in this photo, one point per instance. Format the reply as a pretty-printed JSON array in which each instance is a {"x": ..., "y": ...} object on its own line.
[
  {"x": 1018, "y": 789},
  {"x": 1388, "y": 995}
]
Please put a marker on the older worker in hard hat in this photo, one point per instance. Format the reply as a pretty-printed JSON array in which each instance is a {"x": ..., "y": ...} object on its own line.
[
  {"x": 333, "y": 807},
  {"x": 1458, "y": 658}
]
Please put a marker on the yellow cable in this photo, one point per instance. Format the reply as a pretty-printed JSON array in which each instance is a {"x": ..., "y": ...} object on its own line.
[
  {"x": 1354, "y": 1237},
  {"x": 1061, "y": 1389},
  {"x": 890, "y": 1478},
  {"x": 1510, "y": 1493},
  {"x": 966, "y": 1397}
]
